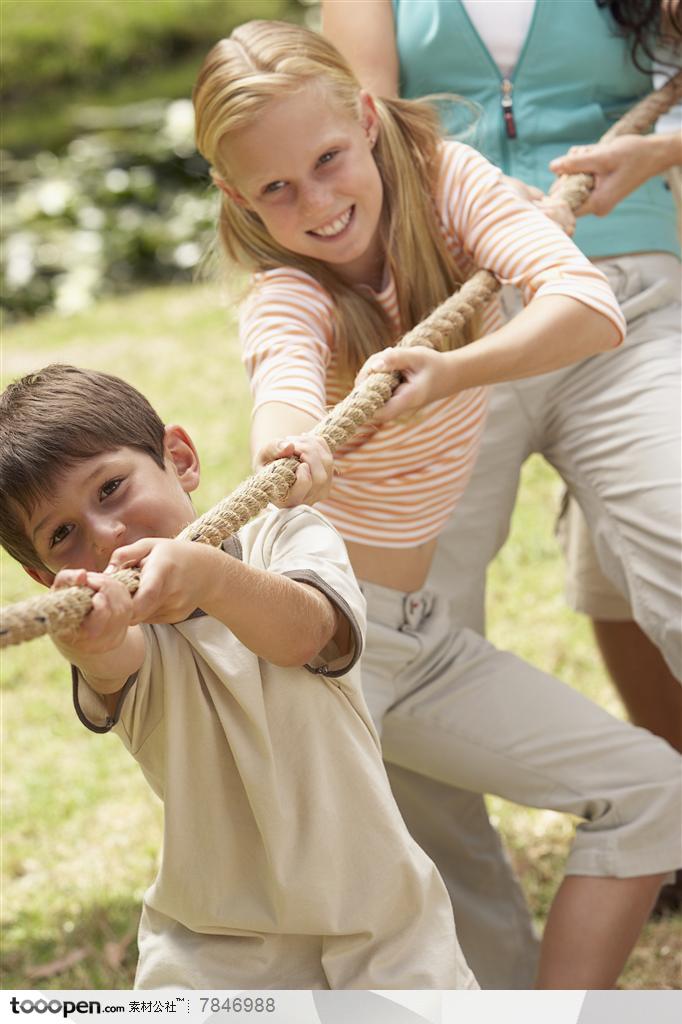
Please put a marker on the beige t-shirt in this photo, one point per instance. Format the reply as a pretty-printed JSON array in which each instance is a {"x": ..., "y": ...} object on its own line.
[{"x": 279, "y": 820}]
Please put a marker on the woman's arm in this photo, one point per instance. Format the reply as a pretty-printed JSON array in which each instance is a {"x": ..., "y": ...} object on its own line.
[{"x": 365, "y": 35}]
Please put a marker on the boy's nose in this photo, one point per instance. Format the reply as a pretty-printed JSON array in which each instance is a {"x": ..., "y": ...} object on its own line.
[{"x": 107, "y": 535}]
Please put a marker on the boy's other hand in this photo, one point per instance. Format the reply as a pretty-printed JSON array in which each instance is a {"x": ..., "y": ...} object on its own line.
[
  {"x": 172, "y": 580},
  {"x": 314, "y": 475},
  {"x": 105, "y": 628}
]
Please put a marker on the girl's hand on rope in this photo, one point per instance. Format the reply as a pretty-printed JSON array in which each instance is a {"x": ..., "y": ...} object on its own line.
[
  {"x": 314, "y": 475},
  {"x": 553, "y": 207},
  {"x": 105, "y": 628},
  {"x": 423, "y": 373},
  {"x": 619, "y": 167},
  {"x": 173, "y": 578}
]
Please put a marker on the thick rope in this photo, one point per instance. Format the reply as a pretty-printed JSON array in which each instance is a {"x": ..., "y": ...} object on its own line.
[{"x": 60, "y": 612}]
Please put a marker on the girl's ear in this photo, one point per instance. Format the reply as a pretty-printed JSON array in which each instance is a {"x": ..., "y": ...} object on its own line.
[
  {"x": 180, "y": 450},
  {"x": 369, "y": 118},
  {"x": 227, "y": 190}
]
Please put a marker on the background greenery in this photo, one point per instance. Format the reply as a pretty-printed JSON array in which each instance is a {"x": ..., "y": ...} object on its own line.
[
  {"x": 81, "y": 830},
  {"x": 60, "y": 54},
  {"x": 102, "y": 188},
  {"x": 103, "y": 193}
]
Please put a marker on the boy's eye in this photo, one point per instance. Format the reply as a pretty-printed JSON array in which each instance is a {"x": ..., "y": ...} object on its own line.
[
  {"x": 109, "y": 487},
  {"x": 60, "y": 534}
]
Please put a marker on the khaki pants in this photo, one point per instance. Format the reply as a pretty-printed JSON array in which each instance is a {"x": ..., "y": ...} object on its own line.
[
  {"x": 587, "y": 588},
  {"x": 457, "y": 712}
]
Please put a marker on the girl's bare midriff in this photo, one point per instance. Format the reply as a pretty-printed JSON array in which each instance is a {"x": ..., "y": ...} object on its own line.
[{"x": 403, "y": 569}]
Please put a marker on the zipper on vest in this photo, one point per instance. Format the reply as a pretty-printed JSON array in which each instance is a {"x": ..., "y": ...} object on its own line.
[{"x": 508, "y": 108}]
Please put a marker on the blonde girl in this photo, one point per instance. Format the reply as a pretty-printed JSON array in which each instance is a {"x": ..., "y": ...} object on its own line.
[{"x": 355, "y": 219}]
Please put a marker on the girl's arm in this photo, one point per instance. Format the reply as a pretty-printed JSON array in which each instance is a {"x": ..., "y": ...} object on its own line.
[
  {"x": 548, "y": 334},
  {"x": 571, "y": 312},
  {"x": 365, "y": 35},
  {"x": 620, "y": 166}
]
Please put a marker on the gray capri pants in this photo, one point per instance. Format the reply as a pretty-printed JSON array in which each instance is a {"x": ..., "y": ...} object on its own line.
[{"x": 455, "y": 709}]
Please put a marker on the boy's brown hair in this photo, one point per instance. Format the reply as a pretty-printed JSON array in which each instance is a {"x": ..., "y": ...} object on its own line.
[{"x": 51, "y": 420}]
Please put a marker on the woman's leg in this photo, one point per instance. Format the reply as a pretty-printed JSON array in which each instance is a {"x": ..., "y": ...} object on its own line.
[
  {"x": 592, "y": 928},
  {"x": 651, "y": 694},
  {"x": 612, "y": 431}
]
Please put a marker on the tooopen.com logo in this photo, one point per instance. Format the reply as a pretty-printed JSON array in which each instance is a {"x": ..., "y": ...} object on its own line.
[{"x": 62, "y": 1007}]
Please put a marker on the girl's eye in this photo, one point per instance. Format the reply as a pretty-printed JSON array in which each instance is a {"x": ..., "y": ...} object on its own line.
[
  {"x": 60, "y": 534},
  {"x": 109, "y": 487},
  {"x": 274, "y": 186}
]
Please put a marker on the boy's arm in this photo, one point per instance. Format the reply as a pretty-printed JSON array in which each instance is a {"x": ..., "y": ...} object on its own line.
[
  {"x": 106, "y": 648},
  {"x": 280, "y": 619}
]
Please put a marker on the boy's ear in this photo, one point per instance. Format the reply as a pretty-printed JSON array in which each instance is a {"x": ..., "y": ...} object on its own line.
[
  {"x": 42, "y": 576},
  {"x": 180, "y": 449},
  {"x": 369, "y": 118}
]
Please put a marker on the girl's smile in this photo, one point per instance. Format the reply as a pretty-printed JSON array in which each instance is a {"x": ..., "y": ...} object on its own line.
[
  {"x": 337, "y": 226},
  {"x": 307, "y": 169}
]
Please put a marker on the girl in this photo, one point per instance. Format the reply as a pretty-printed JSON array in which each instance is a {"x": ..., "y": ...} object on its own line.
[{"x": 357, "y": 220}]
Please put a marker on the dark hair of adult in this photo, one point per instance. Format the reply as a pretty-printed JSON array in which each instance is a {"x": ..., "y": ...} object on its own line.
[{"x": 647, "y": 25}]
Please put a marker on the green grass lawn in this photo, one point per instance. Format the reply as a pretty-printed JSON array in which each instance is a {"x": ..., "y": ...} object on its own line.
[{"x": 80, "y": 828}]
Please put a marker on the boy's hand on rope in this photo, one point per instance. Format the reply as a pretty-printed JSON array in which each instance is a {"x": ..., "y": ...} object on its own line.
[
  {"x": 424, "y": 381},
  {"x": 105, "y": 628},
  {"x": 314, "y": 475},
  {"x": 173, "y": 580}
]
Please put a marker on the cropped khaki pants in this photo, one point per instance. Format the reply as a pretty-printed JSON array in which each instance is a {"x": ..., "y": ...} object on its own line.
[{"x": 453, "y": 711}]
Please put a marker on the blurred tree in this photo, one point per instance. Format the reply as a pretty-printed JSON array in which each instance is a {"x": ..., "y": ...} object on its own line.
[{"x": 57, "y": 54}]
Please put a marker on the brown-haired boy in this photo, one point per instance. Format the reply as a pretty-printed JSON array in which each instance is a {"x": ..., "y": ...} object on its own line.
[{"x": 230, "y": 678}]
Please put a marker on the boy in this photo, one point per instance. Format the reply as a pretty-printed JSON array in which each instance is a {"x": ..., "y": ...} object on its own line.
[{"x": 230, "y": 678}]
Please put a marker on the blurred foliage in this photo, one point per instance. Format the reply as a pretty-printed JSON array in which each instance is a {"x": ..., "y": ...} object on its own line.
[
  {"x": 127, "y": 204},
  {"x": 57, "y": 54},
  {"x": 49, "y": 44},
  {"x": 103, "y": 190}
]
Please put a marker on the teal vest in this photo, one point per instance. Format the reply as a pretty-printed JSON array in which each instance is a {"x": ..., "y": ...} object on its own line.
[{"x": 573, "y": 79}]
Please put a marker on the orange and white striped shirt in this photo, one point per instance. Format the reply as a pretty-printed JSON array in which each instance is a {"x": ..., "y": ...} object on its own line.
[{"x": 399, "y": 482}]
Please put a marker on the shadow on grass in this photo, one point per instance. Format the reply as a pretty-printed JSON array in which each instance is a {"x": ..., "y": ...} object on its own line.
[{"x": 99, "y": 952}]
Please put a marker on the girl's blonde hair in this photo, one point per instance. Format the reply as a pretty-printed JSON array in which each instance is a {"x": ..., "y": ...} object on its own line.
[{"x": 263, "y": 60}]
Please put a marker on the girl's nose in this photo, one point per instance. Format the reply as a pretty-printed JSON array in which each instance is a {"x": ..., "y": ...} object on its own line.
[{"x": 316, "y": 200}]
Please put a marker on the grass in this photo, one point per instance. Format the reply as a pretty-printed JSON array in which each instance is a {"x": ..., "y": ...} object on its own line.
[{"x": 80, "y": 828}]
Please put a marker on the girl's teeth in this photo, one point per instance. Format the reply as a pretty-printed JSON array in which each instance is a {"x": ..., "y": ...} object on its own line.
[{"x": 335, "y": 227}]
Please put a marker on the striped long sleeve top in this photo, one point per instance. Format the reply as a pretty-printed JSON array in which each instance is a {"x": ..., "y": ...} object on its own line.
[{"x": 399, "y": 482}]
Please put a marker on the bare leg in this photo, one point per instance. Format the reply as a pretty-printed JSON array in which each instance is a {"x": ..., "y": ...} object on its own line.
[
  {"x": 649, "y": 690},
  {"x": 592, "y": 927}
]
